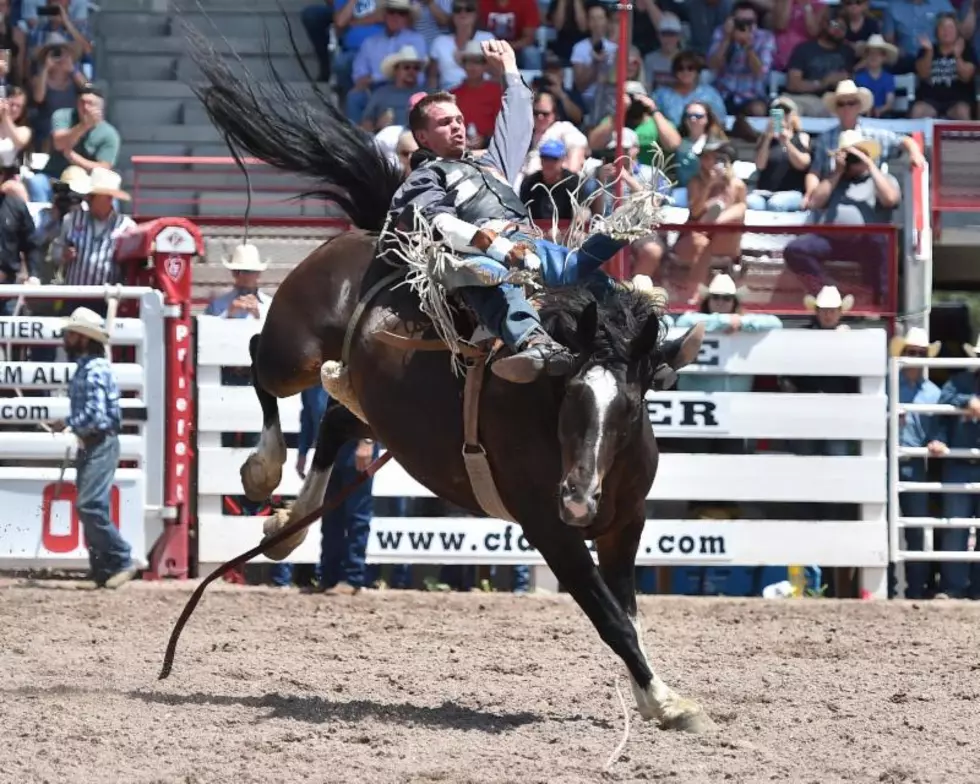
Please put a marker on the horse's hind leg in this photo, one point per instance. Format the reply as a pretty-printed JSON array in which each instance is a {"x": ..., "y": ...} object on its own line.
[
  {"x": 654, "y": 699},
  {"x": 337, "y": 427},
  {"x": 262, "y": 471}
]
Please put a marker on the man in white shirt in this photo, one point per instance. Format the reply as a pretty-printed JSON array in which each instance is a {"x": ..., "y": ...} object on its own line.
[{"x": 244, "y": 300}]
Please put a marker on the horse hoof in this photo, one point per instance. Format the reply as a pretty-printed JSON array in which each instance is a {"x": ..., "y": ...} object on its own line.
[
  {"x": 687, "y": 716},
  {"x": 260, "y": 477},
  {"x": 273, "y": 523}
]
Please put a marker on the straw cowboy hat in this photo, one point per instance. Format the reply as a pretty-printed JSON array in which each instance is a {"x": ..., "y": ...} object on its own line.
[
  {"x": 472, "y": 51},
  {"x": 245, "y": 258},
  {"x": 406, "y": 54},
  {"x": 916, "y": 337},
  {"x": 972, "y": 351},
  {"x": 722, "y": 285},
  {"x": 55, "y": 40},
  {"x": 105, "y": 182},
  {"x": 87, "y": 322},
  {"x": 877, "y": 42},
  {"x": 847, "y": 89},
  {"x": 852, "y": 139},
  {"x": 77, "y": 180},
  {"x": 829, "y": 298}
]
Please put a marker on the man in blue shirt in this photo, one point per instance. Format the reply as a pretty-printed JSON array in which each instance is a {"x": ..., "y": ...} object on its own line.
[
  {"x": 914, "y": 430},
  {"x": 95, "y": 421}
]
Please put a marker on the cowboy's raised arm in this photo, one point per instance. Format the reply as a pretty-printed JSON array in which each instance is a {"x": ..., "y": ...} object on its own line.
[{"x": 515, "y": 123}]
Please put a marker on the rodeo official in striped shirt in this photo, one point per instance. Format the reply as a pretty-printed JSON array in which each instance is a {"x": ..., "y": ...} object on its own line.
[{"x": 95, "y": 420}]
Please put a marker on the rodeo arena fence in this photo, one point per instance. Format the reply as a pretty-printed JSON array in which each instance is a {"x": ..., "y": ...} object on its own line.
[{"x": 176, "y": 472}]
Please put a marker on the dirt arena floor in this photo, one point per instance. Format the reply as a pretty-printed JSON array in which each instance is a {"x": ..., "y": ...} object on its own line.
[{"x": 274, "y": 686}]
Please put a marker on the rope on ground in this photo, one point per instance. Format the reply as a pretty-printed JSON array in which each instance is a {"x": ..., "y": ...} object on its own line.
[{"x": 626, "y": 731}]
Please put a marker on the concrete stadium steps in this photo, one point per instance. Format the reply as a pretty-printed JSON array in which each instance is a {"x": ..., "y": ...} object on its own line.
[{"x": 177, "y": 44}]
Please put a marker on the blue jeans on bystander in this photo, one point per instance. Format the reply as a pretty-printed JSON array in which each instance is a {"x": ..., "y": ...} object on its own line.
[{"x": 95, "y": 468}]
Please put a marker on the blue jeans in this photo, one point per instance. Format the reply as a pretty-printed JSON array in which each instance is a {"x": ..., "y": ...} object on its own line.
[
  {"x": 39, "y": 188},
  {"x": 913, "y": 505},
  {"x": 95, "y": 468},
  {"x": 345, "y": 529},
  {"x": 355, "y": 104},
  {"x": 780, "y": 201},
  {"x": 343, "y": 65},
  {"x": 317, "y": 20},
  {"x": 504, "y": 310},
  {"x": 954, "y": 578},
  {"x": 807, "y": 255}
]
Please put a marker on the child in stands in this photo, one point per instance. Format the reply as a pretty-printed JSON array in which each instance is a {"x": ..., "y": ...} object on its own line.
[{"x": 874, "y": 77}]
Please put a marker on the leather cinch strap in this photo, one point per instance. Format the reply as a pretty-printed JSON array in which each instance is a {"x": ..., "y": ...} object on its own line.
[{"x": 474, "y": 455}]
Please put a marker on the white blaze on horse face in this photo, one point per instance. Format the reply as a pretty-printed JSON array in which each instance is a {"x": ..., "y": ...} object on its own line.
[{"x": 602, "y": 384}]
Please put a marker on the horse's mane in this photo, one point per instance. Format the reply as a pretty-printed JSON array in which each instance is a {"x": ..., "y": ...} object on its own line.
[{"x": 622, "y": 314}]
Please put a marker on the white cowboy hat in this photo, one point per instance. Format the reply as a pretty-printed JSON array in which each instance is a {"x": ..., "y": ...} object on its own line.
[
  {"x": 406, "y": 54},
  {"x": 829, "y": 298},
  {"x": 77, "y": 180},
  {"x": 722, "y": 285},
  {"x": 878, "y": 42},
  {"x": 86, "y": 322},
  {"x": 106, "y": 182},
  {"x": 855, "y": 138},
  {"x": 245, "y": 258},
  {"x": 972, "y": 351},
  {"x": 916, "y": 337},
  {"x": 473, "y": 48},
  {"x": 847, "y": 89},
  {"x": 630, "y": 140}
]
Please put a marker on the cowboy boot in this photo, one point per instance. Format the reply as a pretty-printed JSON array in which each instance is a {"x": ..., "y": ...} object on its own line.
[{"x": 541, "y": 353}]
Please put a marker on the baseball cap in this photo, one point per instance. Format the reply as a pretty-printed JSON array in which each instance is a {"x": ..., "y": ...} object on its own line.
[
  {"x": 669, "y": 23},
  {"x": 553, "y": 148}
]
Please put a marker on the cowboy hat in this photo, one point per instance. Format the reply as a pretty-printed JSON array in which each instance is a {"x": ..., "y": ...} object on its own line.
[
  {"x": 406, "y": 54},
  {"x": 878, "y": 42},
  {"x": 722, "y": 285},
  {"x": 847, "y": 89},
  {"x": 77, "y": 180},
  {"x": 972, "y": 351},
  {"x": 53, "y": 41},
  {"x": 106, "y": 182},
  {"x": 245, "y": 258},
  {"x": 86, "y": 322},
  {"x": 916, "y": 337},
  {"x": 785, "y": 103},
  {"x": 473, "y": 49},
  {"x": 829, "y": 298},
  {"x": 851, "y": 139}
]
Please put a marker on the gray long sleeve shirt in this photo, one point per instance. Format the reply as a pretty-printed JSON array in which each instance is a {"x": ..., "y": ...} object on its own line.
[{"x": 509, "y": 147}]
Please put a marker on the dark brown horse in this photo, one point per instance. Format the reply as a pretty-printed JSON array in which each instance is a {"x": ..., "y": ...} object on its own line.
[{"x": 573, "y": 459}]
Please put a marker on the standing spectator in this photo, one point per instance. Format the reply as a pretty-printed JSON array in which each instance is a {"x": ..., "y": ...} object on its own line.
[
  {"x": 686, "y": 89},
  {"x": 550, "y": 192},
  {"x": 782, "y": 161},
  {"x": 818, "y": 66},
  {"x": 388, "y": 104},
  {"x": 445, "y": 64},
  {"x": 858, "y": 26},
  {"x": 907, "y": 22},
  {"x": 873, "y": 76},
  {"x": 795, "y": 22},
  {"x": 478, "y": 98},
  {"x": 244, "y": 299},
  {"x": 367, "y": 69},
  {"x": 593, "y": 58},
  {"x": 945, "y": 73},
  {"x": 517, "y": 22},
  {"x": 659, "y": 64},
  {"x": 914, "y": 387},
  {"x": 741, "y": 57},
  {"x": 316, "y": 20},
  {"x": 95, "y": 421},
  {"x": 56, "y": 85},
  {"x": 569, "y": 19}
]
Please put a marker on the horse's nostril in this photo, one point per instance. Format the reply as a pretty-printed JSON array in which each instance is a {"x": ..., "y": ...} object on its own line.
[{"x": 568, "y": 487}]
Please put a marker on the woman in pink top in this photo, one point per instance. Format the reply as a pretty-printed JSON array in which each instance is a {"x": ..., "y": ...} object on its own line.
[{"x": 793, "y": 22}]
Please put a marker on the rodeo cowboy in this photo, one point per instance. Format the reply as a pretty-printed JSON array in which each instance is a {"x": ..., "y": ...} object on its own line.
[
  {"x": 471, "y": 205},
  {"x": 94, "y": 418}
]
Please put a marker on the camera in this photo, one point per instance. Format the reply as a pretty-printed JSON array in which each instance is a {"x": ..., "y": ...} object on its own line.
[
  {"x": 850, "y": 159},
  {"x": 64, "y": 199},
  {"x": 56, "y": 52},
  {"x": 743, "y": 25}
]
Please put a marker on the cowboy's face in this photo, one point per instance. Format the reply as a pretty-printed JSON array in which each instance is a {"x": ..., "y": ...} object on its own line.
[
  {"x": 913, "y": 374},
  {"x": 407, "y": 73},
  {"x": 445, "y": 130},
  {"x": 74, "y": 343},
  {"x": 396, "y": 20},
  {"x": 848, "y": 109},
  {"x": 829, "y": 318},
  {"x": 721, "y": 303},
  {"x": 874, "y": 57},
  {"x": 476, "y": 68},
  {"x": 100, "y": 205},
  {"x": 246, "y": 279}
]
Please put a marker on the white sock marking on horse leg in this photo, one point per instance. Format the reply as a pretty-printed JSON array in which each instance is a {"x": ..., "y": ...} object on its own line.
[
  {"x": 272, "y": 444},
  {"x": 652, "y": 700},
  {"x": 262, "y": 470},
  {"x": 309, "y": 498}
]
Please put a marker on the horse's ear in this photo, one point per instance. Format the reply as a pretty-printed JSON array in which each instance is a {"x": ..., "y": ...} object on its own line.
[
  {"x": 588, "y": 325},
  {"x": 645, "y": 343}
]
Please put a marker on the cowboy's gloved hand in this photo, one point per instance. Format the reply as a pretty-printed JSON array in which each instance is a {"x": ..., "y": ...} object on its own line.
[{"x": 523, "y": 255}]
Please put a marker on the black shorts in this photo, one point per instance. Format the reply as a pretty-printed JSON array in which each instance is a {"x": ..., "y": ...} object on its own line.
[{"x": 942, "y": 107}]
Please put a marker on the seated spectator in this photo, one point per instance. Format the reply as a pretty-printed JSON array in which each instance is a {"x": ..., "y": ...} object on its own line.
[
  {"x": 551, "y": 192},
  {"x": 848, "y": 102},
  {"x": 57, "y": 84},
  {"x": 569, "y": 103},
  {"x": 388, "y": 104},
  {"x": 656, "y": 133},
  {"x": 818, "y": 66},
  {"x": 593, "y": 58},
  {"x": 81, "y": 137},
  {"x": 478, "y": 98},
  {"x": 547, "y": 126},
  {"x": 245, "y": 299},
  {"x": 316, "y": 21},
  {"x": 741, "y": 57},
  {"x": 945, "y": 74},
  {"x": 873, "y": 76},
  {"x": 855, "y": 193},
  {"x": 446, "y": 69},
  {"x": 354, "y": 22},
  {"x": 366, "y": 70},
  {"x": 20, "y": 254},
  {"x": 659, "y": 64},
  {"x": 517, "y": 22},
  {"x": 795, "y": 22},
  {"x": 15, "y": 138},
  {"x": 700, "y": 123},
  {"x": 858, "y": 26},
  {"x": 686, "y": 68},
  {"x": 69, "y": 197},
  {"x": 907, "y": 23},
  {"x": 569, "y": 20},
  {"x": 782, "y": 160}
]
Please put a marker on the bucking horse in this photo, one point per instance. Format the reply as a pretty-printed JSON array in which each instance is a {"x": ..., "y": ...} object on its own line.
[{"x": 569, "y": 459}]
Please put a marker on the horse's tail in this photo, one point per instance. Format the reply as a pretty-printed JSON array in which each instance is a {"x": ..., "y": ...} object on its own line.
[{"x": 307, "y": 137}]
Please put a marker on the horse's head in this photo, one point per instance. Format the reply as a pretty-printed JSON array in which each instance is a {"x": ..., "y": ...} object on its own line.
[{"x": 603, "y": 412}]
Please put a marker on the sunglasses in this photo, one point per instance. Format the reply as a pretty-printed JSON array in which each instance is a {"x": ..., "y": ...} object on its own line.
[
  {"x": 915, "y": 352},
  {"x": 849, "y": 103},
  {"x": 542, "y": 113},
  {"x": 464, "y": 9},
  {"x": 410, "y": 66},
  {"x": 397, "y": 11},
  {"x": 723, "y": 297},
  {"x": 686, "y": 67},
  {"x": 695, "y": 115}
]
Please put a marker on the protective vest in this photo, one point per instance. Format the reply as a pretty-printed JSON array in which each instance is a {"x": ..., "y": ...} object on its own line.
[{"x": 477, "y": 192}]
